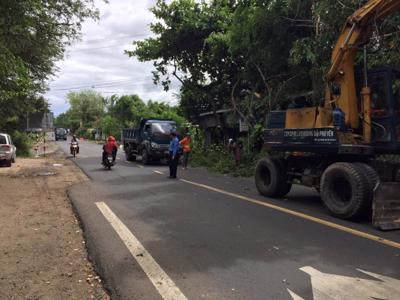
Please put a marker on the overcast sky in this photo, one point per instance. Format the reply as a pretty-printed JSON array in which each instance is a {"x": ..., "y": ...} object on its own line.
[{"x": 99, "y": 62}]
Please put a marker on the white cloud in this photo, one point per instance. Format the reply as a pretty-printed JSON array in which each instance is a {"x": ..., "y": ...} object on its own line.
[{"x": 99, "y": 61}]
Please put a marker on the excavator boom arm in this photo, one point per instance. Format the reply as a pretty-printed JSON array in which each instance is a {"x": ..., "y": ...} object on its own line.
[
  {"x": 356, "y": 30},
  {"x": 359, "y": 24}
]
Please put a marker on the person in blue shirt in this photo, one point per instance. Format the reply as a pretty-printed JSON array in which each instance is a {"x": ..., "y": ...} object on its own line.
[{"x": 173, "y": 155}]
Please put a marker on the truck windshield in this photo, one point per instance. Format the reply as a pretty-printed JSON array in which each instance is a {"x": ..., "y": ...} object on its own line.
[
  {"x": 61, "y": 131},
  {"x": 379, "y": 98},
  {"x": 162, "y": 129}
]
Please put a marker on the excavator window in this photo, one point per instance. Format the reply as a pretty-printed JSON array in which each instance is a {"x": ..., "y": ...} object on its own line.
[
  {"x": 380, "y": 106},
  {"x": 396, "y": 99}
]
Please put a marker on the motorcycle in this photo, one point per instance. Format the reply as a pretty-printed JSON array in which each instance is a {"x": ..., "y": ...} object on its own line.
[
  {"x": 74, "y": 148},
  {"x": 108, "y": 162}
]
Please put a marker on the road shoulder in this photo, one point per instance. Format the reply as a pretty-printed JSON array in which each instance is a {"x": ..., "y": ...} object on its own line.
[{"x": 43, "y": 253}]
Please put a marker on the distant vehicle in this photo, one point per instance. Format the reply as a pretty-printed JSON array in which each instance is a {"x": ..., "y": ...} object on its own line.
[
  {"x": 8, "y": 152},
  {"x": 61, "y": 134},
  {"x": 150, "y": 140}
]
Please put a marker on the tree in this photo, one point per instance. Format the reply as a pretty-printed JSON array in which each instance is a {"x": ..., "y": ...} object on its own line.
[
  {"x": 127, "y": 109},
  {"x": 33, "y": 35},
  {"x": 252, "y": 56},
  {"x": 87, "y": 107},
  {"x": 188, "y": 47},
  {"x": 110, "y": 126}
]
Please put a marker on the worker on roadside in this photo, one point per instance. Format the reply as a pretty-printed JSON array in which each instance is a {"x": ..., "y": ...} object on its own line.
[
  {"x": 236, "y": 148},
  {"x": 110, "y": 148},
  {"x": 173, "y": 155},
  {"x": 185, "y": 143}
]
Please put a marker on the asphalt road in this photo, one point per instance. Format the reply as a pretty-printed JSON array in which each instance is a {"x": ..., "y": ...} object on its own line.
[{"x": 207, "y": 236}]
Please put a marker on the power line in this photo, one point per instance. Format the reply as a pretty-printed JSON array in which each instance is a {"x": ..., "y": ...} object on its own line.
[
  {"x": 97, "y": 83},
  {"x": 94, "y": 86},
  {"x": 95, "y": 41},
  {"x": 104, "y": 47},
  {"x": 96, "y": 48}
]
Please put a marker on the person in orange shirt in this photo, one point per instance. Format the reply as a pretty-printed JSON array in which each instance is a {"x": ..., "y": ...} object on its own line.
[{"x": 185, "y": 143}]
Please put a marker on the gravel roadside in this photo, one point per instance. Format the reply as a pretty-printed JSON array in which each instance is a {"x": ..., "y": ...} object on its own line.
[{"x": 42, "y": 249}]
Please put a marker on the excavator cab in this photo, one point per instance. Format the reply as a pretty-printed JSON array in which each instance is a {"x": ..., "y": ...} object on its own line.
[
  {"x": 385, "y": 108},
  {"x": 385, "y": 125}
]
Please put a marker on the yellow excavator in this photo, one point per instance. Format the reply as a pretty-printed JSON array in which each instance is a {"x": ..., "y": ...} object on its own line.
[{"x": 340, "y": 146}]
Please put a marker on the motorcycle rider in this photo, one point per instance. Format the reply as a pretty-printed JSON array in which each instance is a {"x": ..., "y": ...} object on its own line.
[
  {"x": 110, "y": 148},
  {"x": 74, "y": 140}
]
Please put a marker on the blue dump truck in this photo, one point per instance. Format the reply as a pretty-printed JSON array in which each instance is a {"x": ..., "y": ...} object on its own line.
[
  {"x": 60, "y": 134},
  {"x": 150, "y": 140}
]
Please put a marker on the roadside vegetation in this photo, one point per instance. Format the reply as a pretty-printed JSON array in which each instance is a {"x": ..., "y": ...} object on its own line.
[
  {"x": 247, "y": 57},
  {"x": 251, "y": 57},
  {"x": 33, "y": 36},
  {"x": 90, "y": 113}
]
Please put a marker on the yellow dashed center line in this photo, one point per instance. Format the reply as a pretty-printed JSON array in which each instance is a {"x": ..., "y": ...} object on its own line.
[
  {"x": 301, "y": 215},
  {"x": 297, "y": 214}
]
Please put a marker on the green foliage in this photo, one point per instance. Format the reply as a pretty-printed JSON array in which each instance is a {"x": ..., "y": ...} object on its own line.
[
  {"x": 225, "y": 52},
  {"x": 33, "y": 35},
  {"x": 220, "y": 160},
  {"x": 67, "y": 120},
  {"x": 23, "y": 142},
  {"x": 86, "y": 107},
  {"x": 110, "y": 126}
]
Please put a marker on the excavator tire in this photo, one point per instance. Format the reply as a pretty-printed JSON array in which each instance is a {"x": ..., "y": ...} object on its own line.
[
  {"x": 346, "y": 190},
  {"x": 372, "y": 175},
  {"x": 271, "y": 179}
]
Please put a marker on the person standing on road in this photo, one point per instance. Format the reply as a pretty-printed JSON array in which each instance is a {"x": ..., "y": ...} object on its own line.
[
  {"x": 185, "y": 143},
  {"x": 173, "y": 155}
]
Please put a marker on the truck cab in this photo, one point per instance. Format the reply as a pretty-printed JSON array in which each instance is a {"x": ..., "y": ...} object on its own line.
[{"x": 150, "y": 140}]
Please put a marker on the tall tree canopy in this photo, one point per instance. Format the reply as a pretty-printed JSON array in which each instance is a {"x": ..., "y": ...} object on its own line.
[
  {"x": 252, "y": 55},
  {"x": 33, "y": 35}
]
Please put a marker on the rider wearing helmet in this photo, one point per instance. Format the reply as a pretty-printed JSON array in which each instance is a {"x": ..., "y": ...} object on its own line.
[{"x": 110, "y": 148}]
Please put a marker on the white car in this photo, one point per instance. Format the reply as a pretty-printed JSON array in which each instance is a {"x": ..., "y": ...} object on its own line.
[{"x": 8, "y": 152}]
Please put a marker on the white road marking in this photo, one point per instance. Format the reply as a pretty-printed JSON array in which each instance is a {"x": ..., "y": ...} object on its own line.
[
  {"x": 159, "y": 172},
  {"x": 335, "y": 287},
  {"x": 128, "y": 162},
  {"x": 140, "y": 166},
  {"x": 161, "y": 281}
]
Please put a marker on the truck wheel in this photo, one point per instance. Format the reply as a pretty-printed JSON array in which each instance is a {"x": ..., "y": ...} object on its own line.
[
  {"x": 372, "y": 175},
  {"x": 145, "y": 157},
  {"x": 8, "y": 163},
  {"x": 345, "y": 190},
  {"x": 271, "y": 177},
  {"x": 128, "y": 155}
]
